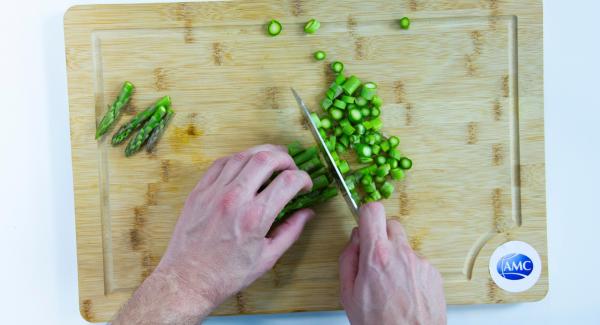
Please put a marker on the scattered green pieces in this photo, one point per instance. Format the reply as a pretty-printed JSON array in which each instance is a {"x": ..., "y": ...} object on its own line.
[
  {"x": 326, "y": 103},
  {"x": 312, "y": 26},
  {"x": 394, "y": 141},
  {"x": 404, "y": 23},
  {"x": 320, "y": 55},
  {"x": 405, "y": 163},
  {"x": 274, "y": 27},
  {"x": 114, "y": 110},
  {"x": 351, "y": 85},
  {"x": 337, "y": 66},
  {"x": 352, "y": 123},
  {"x": 397, "y": 174},
  {"x": 339, "y": 79},
  {"x": 369, "y": 89}
]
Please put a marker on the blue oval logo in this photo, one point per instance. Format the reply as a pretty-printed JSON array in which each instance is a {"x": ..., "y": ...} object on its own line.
[{"x": 514, "y": 266}]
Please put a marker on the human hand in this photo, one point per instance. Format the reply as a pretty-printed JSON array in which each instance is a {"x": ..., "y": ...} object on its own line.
[
  {"x": 383, "y": 281},
  {"x": 219, "y": 245}
]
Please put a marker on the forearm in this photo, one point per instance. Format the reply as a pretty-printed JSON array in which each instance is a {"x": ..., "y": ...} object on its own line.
[{"x": 164, "y": 299}]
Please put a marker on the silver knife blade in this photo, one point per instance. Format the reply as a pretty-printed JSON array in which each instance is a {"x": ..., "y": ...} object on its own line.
[{"x": 328, "y": 158}]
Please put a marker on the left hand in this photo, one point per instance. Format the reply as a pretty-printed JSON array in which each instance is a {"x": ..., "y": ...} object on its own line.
[{"x": 220, "y": 244}]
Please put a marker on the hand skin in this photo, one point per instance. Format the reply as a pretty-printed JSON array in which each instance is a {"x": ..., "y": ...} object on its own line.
[
  {"x": 383, "y": 281},
  {"x": 220, "y": 243}
]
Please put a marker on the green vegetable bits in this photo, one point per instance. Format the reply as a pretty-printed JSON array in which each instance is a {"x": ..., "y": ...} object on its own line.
[
  {"x": 274, "y": 27},
  {"x": 404, "y": 23},
  {"x": 312, "y": 26},
  {"x": 320, "y": 55},
  {"x": 351, "y": 124}
]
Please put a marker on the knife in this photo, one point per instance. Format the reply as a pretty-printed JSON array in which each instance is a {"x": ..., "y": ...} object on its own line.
[{"x": 337, "y": 175}]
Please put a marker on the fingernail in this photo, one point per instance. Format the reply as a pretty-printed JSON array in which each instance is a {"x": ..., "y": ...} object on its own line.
[
  {"x": 311, "y": 214},
  {"x": 354, "y": 236}
]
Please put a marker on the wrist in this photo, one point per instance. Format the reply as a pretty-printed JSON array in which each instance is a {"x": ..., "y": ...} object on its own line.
[{"x": 180, "y": 295}]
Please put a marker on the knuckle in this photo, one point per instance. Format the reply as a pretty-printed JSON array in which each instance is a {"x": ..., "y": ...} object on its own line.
[
  {"x": 381, "y": 254},
  {"x": 270, "y": 147},
  {"x": 240, "y": 156},
  {"x": 263, "y": 158},
  {"x": 289, "y": 177},
  {"x": 229, "y": 198},
  {"x": 253, "y": 215},
  {"x": 372, "y": 208},
  {"x": 219, "y": 161}
]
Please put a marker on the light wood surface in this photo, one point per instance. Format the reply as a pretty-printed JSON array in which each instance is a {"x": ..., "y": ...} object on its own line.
[{"x": 462, "y": 88}]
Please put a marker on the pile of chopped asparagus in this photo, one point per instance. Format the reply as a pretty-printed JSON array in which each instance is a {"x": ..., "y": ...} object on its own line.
[
  {"x": 150, "y": 123},
  {"x": 352, "y": 122}
]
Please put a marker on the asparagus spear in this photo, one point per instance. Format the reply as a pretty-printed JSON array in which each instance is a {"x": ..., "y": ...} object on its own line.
[
  {"x": 305, "y": 155},
  {"x": 312, "y": 164},
  {"x": 135, "y": 144},
  {"x": 114, "y": 110},
  {"x": 320, "y": 182},
  {"x": 294, "y": 148},
  {"x": 126, "y": 130},
  {"x": 307, "y": 200},
  {"x": 159, "y": 130}
]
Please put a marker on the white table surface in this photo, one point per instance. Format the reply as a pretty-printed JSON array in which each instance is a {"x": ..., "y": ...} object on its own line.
[{"x": 37, "y": 234}]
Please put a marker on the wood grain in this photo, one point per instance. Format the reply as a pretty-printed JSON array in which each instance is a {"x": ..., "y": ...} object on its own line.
[{"x": 462, "y": 88}]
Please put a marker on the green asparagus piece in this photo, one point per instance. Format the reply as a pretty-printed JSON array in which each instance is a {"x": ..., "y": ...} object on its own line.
[
  {"x": 114, "y": 110},
  {"x": 313, "y": 164},
  {"x": 135, "y": 144},
  {"x": 159, "y": 130},
  {"x": 137, "y": 121},
  {"x": 320, "y": 182},
  {"x": 308, "y": 200},
  {"x": 305, "y": 155},
  {"x": 294, "y": 148},
  {"x": 318, "y": 172}
]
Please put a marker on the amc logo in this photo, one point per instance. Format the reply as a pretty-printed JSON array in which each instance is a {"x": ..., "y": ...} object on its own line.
[{"x": 514, "y": 266}]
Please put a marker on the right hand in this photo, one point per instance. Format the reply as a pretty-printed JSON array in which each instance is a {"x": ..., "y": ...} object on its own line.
[{"x": 383, "y": 281}]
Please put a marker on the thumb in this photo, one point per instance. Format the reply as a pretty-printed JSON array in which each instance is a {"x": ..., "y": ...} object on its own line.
[
  {"x": 349, "y": 265},
  {"x": 285, "y": 235}
]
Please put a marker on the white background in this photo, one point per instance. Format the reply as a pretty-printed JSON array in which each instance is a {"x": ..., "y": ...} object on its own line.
[{"x": 37, "y": 233}]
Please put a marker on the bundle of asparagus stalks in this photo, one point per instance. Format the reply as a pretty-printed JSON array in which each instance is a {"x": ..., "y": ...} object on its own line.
[{"x": 323, "y": 188}]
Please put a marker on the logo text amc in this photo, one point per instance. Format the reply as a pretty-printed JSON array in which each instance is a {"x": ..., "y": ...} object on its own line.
[{"x": 514, "y": 266}]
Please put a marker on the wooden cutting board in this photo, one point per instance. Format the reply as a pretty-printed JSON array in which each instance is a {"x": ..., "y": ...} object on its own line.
[{"x": 462, "y": 88}]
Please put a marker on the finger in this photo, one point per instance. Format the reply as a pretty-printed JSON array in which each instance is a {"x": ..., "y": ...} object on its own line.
[
  {"x": 349, "y": 265},
  {"x": 261, "y": 166},
  {"x": 372, "y": 223},
  {"x": 284, "y": 235},
  {"x": 281, "y": 190},
  {"x": 236, "y": 162},
  {"x": 395, "y": 231},
  {"x": 211, "y": 174}
]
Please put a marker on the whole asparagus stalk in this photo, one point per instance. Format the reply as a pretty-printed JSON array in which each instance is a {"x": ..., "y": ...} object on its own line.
[
  {"x": 312, "y": 164},
  {"x": 159, "y": 130},
  {"x": 319, "y": 182},
  {"x": 135, "y": 144},
  {"x": 126, "y": 130},
  {"x": 308, "y": 200},
  {"x": 114, "y": 110}
]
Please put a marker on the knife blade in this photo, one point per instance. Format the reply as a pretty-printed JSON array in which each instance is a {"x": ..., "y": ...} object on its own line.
[{"x": 337, "y": 175}]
